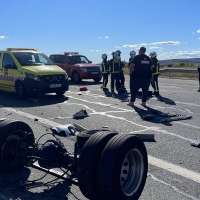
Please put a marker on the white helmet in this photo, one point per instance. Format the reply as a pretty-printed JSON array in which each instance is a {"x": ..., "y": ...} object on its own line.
[
  {"x": 132, "y": 54},
  {"x": 153, "y": 54},
  {"x": 103, "y": 56}
]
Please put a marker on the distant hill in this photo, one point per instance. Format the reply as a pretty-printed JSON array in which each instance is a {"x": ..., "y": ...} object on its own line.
[{"x": 195, "y": 61}]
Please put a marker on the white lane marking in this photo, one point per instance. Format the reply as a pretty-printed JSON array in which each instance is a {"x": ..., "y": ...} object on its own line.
[
  {"x": 194, "y": 176},
  {"x": 186, "y": 173},
  {"x": 173, "y": 187},
  {"x": 189, "y": 125},
  {"x": 30, "y": 116}
]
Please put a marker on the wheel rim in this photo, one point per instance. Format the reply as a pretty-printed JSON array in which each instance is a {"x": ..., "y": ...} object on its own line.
[
  {"x": 76, "y": 77},
  {"x": 132, "y": 172},
  {"x": 10, "y": 147}
]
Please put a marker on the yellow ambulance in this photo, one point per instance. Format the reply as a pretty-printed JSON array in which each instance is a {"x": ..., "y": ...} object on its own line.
[{"x": 28, "y": 72}]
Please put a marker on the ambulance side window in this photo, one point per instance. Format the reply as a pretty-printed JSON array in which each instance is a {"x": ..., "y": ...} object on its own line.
[{"x": 8, "y": 62}]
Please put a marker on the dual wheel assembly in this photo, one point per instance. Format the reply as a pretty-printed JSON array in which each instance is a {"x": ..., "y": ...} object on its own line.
[{"x": 110, "y": 166}]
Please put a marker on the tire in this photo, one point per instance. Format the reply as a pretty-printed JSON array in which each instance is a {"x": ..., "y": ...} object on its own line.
[
  {"x": 97, "y": 80},
  {"x": 20, "y": 90},
  {"x": 60, "y": 93},
  {"x": 89, "y": 161},
  {"x": 12, "y": 135},
  {"x": 83, "y": 136},
  {"x": 76, "y": 77},
  {"x": 118, "y": 179}
]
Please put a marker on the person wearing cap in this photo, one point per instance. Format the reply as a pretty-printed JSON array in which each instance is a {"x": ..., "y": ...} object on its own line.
[
  {"x": 155, "y": 71},
  {"x": 105, "y": 71},
  {"x": 198, "y": 69},
  {"x": 114, "y": 68},
  {"x": 141, "y": 74},
  {"x": 121, "y": 72}
]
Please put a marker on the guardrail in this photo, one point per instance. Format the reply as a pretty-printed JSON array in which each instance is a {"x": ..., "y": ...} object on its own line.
[{"x": 178, "y": 70}]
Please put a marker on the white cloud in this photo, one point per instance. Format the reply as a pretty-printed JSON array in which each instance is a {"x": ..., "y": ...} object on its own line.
[
  {"x": 142, "y": 44},
  {"x": 91, "y": 50},
  {"x": 198, "y": 38},
  {"x": 185, "y": 42},
  {"x": 198, "y": 31},
  {"x": 192, "y": 32},
  {"x": 117, "y": 47},
  {"x": 130, "y": 46},
  {"x": 154, "y": 47},
  {"x": 2, "y": 37},
  {"x": 96, "y": 50},
  {"x": 160, "y": 50},
  {"x": 106, "y": 37},
  {"x": 166, "y": 43}
]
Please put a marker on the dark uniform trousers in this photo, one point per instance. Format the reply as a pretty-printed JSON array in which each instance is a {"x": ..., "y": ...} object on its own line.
[
  {"x": 105, "y": 79},
  {"x": 136, "y": 84},
  {"x": 115, "y": 77},
  {"x": 121, "y": 78},
  {"x": 154, "y": 83}
]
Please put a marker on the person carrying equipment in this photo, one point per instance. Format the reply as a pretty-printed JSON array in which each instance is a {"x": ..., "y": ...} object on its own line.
[
  {"x": 155, "y": 71},
  {"x": 105, "y": 71},
  {"x": 199, "y": 77},
  {"x": 114, "y": 67},
  {"x": 121, "y": 72}
]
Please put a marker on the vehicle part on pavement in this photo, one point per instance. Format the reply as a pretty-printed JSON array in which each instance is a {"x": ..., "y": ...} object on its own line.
[
  {"x": 195, "y": 143},
  {"x": 89, "y": 161},
  {"x": 16, "y": 141},
  {"x": 83, "y": 89},
  {"x": 66, "y": 130},
  {"x": 110, "y": 165},
  {"x": 76, "y": 77},
  {"x": 80, "y": 115},
  {"x": 60, "y": 93},
  {"x": 177, "y": 117},
  {"x": 20, "y": 90},
  {"x": 122, "y": 170},
  {"x": 83, "y": 136}
]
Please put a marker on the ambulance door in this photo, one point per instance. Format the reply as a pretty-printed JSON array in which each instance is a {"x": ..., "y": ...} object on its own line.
[{"x": 10, "y": 73}]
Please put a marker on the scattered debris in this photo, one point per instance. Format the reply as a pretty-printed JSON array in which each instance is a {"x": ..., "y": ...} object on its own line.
[
  {"x": 79, "y": 93},
  {"x": 104, "y": 126},
  {"x": 148, "y": 117},
  {"x": 195, "y": 143},
  {"x": 176, "y": 118},
  {"x": 64, "y": 130},
  {"x": 36, "y": 119},
  {"x": 80, "y": 115},
  {"x": 2, "y": 119},
  {"x": 83, "y": 89}
]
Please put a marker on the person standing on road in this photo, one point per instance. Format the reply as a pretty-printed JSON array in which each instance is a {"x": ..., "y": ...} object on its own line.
[
  {"x": 155, "y": 71},
  {"x": 199, "y": 77},
  {"x": 105, "y": 71},
  {"x": 121, "y": 72},
  {"x": 132, "y": 56},
  {"x": 114, "y": 67},
  {"x": 141, "y": 74}
]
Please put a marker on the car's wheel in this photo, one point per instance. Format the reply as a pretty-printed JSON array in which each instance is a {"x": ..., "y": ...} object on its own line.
[
  {"x": 88, "y": 163},
  {"x": 83, "y": 136},
  {"x": 76, "y": 77},
  {"x": 20, "y": 90},
  {"x": 60, "y": 93},
  {"x": 15, "y": 138},
  {"x": 97, "y": 80},
  {"x": 123, "y": 168}
]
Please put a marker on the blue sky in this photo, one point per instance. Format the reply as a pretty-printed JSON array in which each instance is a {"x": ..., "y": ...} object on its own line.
[{"x": 92, "y": 27}]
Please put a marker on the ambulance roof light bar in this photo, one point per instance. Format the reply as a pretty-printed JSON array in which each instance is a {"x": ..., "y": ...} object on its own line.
[
  {"x": 71, "y": 53},
  {"x": 21, "y": 49}
]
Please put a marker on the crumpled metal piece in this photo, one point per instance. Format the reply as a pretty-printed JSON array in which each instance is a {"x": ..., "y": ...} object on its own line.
[{"x": 67, "y": 129}]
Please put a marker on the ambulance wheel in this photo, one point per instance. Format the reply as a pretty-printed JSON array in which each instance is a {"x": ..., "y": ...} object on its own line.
[
  {"x": 20, "y": 90},
  {"x": 15, "y": 138},
  {"x": 76, "y": 77},
  {"x": 122, "y": 168},
  {"x": 83, "y": 136},
  {"x": 87, "y": 170},
  {"x": 97, "y": 80},
  {"x": 60, "y": 93}
]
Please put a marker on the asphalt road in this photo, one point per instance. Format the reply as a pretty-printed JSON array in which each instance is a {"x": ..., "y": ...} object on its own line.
[{"x": 174, "y": 167}]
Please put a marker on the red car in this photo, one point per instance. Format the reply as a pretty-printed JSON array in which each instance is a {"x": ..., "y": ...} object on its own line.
[{"x": 77, "y": 66}]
